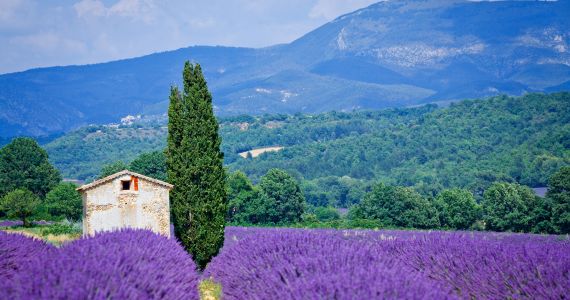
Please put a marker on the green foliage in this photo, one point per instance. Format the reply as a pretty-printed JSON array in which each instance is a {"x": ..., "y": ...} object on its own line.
[
  {"x": 195, "y": 167},
  {"x": 24, "y": 165},
  {"x": 79, "y": 154},
  {"x": 113, "y": 168},
  {"x": 20, "y": 204},
  {"x": 284, "y": 201},
  {"x": 326, "y": 213},
  {"x": 559, "y": 196},
  {"x": 508, "y": 207},
  {"x": 396, "y": 206},
  {"x": 334, "y": 191},
  {"x": 246, "y": 205},
  {"x": 469, "y": 145},
  {"x": 457, "y": 209},
  {"x": 59, "y": 229},
  {"x": 152, "y": 164},
  {"x": 64, "y": 201}
]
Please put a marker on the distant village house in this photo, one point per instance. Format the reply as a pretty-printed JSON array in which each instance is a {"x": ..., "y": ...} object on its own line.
[{"x": 126, "y": 200}]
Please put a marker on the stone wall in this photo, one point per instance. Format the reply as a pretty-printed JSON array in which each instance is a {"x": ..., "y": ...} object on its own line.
[{"x": 107, "y": 207}]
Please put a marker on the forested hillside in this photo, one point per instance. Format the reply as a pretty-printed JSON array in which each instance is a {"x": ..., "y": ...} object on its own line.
[{"x": 468, "y": 144}]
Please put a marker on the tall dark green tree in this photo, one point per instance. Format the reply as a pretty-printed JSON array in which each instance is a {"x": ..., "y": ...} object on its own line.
[
  {"x": 25, "y": 165},
  {"x": 195, "y": 167}
]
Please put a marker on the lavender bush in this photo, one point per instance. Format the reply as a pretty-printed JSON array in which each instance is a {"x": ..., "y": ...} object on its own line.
[
  {"x": 16, "y": 253},
  {"x": 480, "y": 267},
  {"x": 317, "y": 264},
  {"x": 128, "y": 264},
  {"x": 259, "y": 263}
]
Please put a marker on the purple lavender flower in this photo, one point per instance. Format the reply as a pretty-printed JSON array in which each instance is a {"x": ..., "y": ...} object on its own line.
[
  {"x": 316, "y": 264},
  {"x": 263, "y": 263},
  {"x": 16, "y": 253},
  {"x": 127, "y": 264}
]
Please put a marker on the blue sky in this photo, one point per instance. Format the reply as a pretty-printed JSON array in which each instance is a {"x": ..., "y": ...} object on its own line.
[{"x": 37, "y": 33}]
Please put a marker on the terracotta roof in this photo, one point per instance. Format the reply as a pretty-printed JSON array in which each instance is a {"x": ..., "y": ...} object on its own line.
[{"x": 124, "y": 172}]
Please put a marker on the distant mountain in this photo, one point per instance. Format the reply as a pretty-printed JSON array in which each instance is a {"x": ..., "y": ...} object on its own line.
[{"x": 390, "y": 54}]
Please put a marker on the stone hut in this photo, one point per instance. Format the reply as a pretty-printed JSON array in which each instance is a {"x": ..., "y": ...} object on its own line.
[{"x": 126, "y": 199}]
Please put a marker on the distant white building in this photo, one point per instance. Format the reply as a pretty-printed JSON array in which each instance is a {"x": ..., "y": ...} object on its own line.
[{"x": 126, "y": 200}]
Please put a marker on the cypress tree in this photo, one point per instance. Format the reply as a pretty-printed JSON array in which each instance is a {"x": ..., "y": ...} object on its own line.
[{"x": 195, "y": 167}]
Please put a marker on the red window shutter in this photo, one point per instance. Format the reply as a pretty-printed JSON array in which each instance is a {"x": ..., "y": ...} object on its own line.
[{"x": 135, "y": 183}]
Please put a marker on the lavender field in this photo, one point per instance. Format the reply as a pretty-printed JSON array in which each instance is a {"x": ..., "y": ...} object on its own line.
[
  {"x": 128, "y": 264},
  {"x": 259, "y": 263},
  {"x": 279, "y": 263}
]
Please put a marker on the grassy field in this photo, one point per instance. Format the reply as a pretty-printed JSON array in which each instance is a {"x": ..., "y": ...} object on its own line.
[
  {"x": 35, "y": 232},
  {"x": 257, "y": 152}
]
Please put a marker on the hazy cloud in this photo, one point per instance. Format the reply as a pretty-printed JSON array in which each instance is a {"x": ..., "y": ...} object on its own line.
[
  {"x": 332, "y": 9},
  {"x": 36, "y": 33}
]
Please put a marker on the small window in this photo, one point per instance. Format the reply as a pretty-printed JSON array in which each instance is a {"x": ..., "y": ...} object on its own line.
[{"x": 125, "y": 185}]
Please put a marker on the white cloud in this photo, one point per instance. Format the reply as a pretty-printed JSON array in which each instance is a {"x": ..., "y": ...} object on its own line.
[
  {"x": 135, "y": 9},
  {"x": 8, "y": 8},
  {"x": 330, "y": 9},
  {"x": 49, "y": 41},
  {"x": 90, "y": 8},
  {"x": 37, "y": 33}
]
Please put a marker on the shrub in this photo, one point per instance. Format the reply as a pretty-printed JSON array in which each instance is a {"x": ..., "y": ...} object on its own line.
[
  {"x": 295, "y": 264},
  {"x": 326, "y": 213},
  {"x": 261, "y": 263},
  {"x": 16, "y": 252},
  {"x": 128, "y": 264},
  {"x": 59, "y": 229}
]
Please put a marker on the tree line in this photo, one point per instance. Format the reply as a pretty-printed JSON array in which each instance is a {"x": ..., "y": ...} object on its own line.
[{"x": 279, "y": 200}]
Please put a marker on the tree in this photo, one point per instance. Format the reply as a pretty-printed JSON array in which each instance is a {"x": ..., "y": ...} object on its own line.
[
  {"x": 396, "y": 206},
  {"x": 246, "y": 203},
  {"x": 25, "y": 165},
  {"x": 64, "y": 201},
  {"x": 112, "y": 168},
  {"x": 152, "y": 164},
  {"x": 559, "y": 195},
  {"x": 20, "y": 204},
  {"x": 508, "y": 206},
  {"x": 326, "y": 213},
  {"x": 284, "y": 201},
  {"x": 457, "y": 208},
  {"x": 195, "y": 167}
]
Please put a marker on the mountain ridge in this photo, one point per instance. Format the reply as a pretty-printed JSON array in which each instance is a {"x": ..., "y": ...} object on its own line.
[{"x": 390, "y": 54}]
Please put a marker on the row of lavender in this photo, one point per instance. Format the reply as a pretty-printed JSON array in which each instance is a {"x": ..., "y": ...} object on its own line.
[
  {"x": 258, "y": 263},
  {"x": 129, "y": 264}
]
